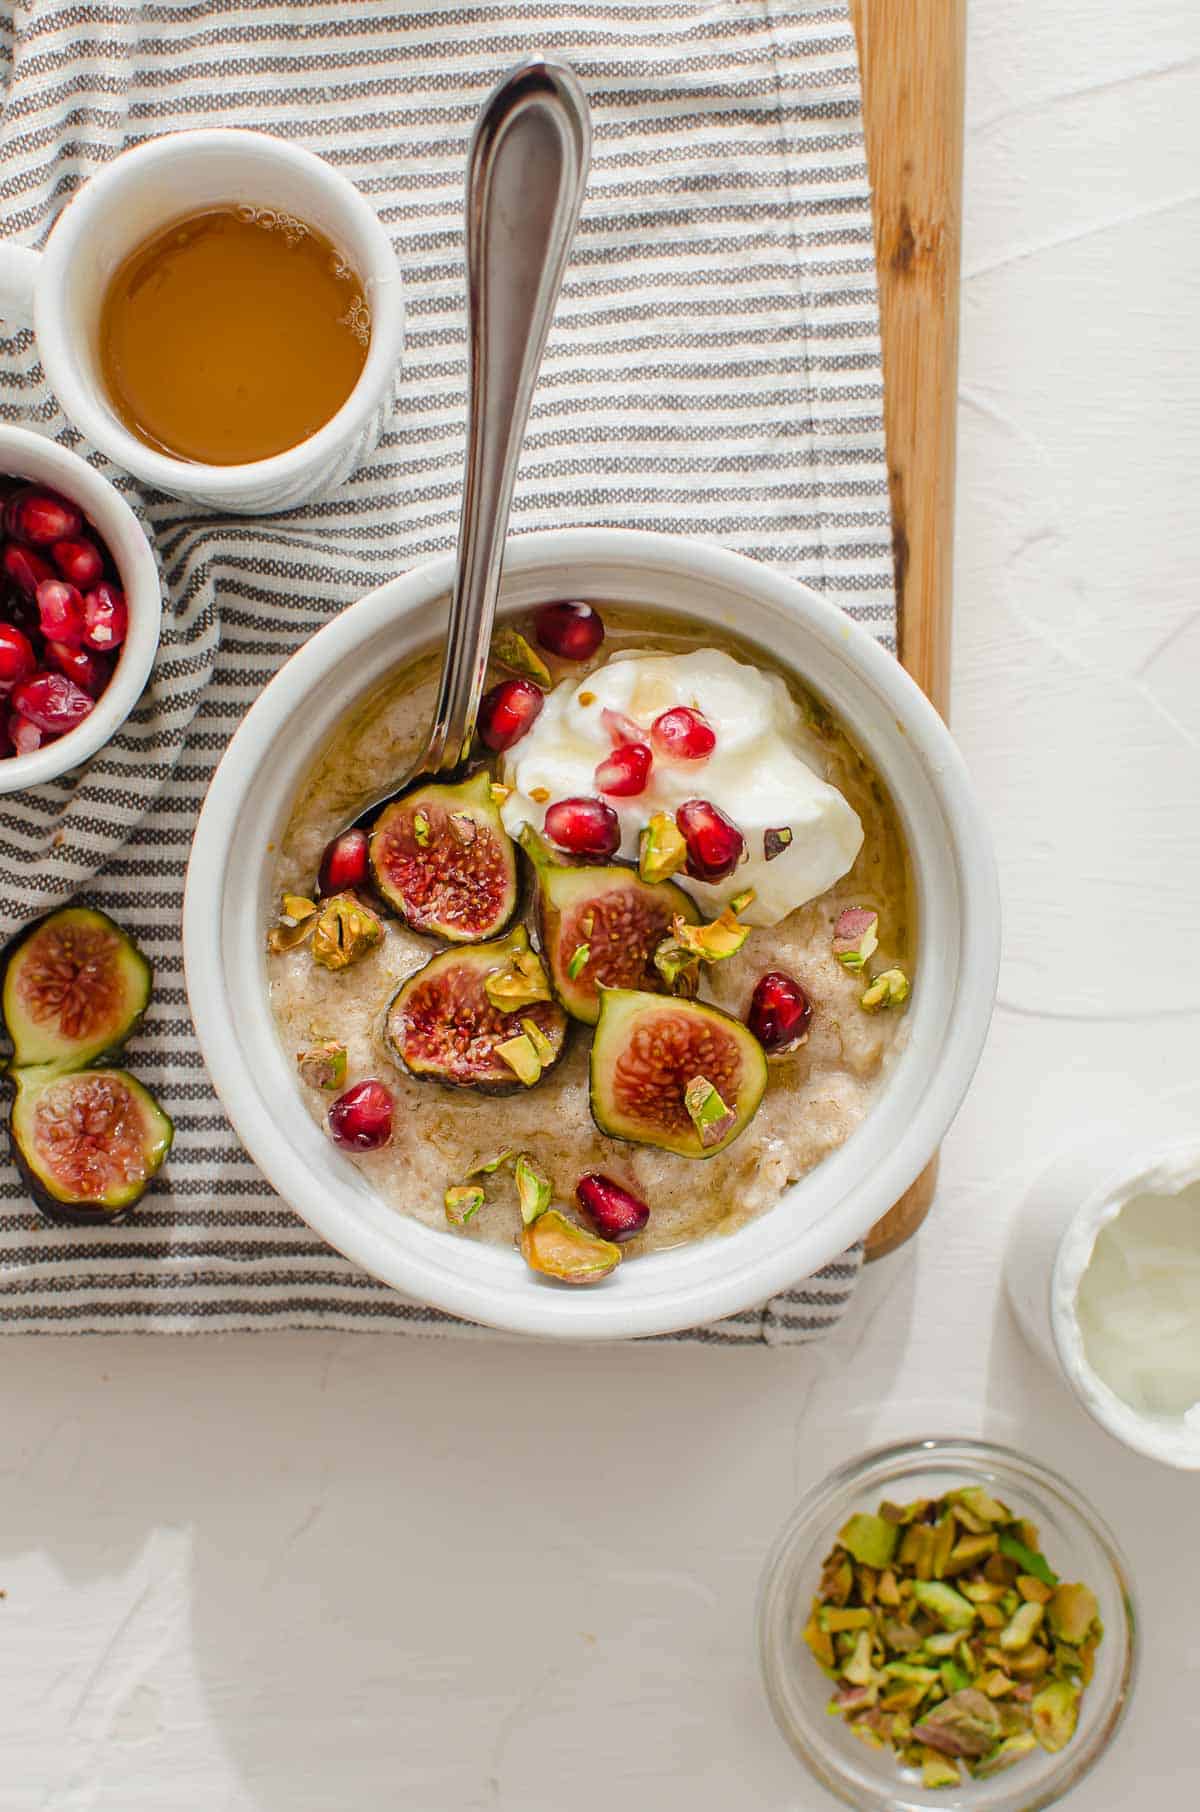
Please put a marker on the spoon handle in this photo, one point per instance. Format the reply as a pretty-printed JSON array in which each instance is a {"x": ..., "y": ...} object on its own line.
[{"x": 526, "y": 173}]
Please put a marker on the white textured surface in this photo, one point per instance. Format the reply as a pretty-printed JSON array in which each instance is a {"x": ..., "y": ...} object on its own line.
[{"x": 296, "y": 1573}]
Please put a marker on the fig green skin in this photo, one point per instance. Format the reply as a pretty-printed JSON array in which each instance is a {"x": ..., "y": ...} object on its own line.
[
  {"x": 34, "y": 1043},
  {"x": 623, "y": 1013},
  {"x": 563, "y": 893},
  {"x": 474, "y": 962},
  {"x": 470, "y": 798},
  {"x": 51, "y": 1195}
]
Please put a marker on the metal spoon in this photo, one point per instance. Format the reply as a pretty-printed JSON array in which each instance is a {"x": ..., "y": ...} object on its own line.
[{"x": 526, "y": 175}]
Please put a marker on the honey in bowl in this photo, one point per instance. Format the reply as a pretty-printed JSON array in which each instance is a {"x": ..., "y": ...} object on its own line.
[{"x": 231, "y": 335}]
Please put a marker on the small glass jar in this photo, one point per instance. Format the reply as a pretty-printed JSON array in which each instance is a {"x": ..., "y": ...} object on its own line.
[{"x": 1076, "y": 1543}]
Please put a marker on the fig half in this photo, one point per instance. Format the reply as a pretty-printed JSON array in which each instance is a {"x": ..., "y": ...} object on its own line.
[
  {"x": 87, "y": 1143},
  {"x": 654, "y": 1060},
  {"x": 75, "y": 986},
  {"x": 442, "y": 1024},
  {"x": 443, "y": 861},
  {"x": 600, "y": 927}
]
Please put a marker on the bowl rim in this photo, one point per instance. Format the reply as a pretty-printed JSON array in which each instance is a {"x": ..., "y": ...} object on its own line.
[
  {"x": 44, "y": 461},
  {"x": 742, "y": 1281},
  {"x": 885, "y": 1466}
]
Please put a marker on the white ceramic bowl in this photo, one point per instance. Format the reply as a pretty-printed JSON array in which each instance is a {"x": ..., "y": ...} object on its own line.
[
  {"x": 42, "y": 461},
  {"x": 228, "y": 906}
]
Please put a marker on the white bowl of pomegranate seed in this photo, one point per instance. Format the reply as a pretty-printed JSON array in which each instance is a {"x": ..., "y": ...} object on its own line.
[
  {"x": 80, "y": 610},
  {"x": 443, "y": 1082}
]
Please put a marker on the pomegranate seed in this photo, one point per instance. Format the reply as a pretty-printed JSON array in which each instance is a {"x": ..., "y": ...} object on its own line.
[
  {"x": 621, "y": 728},
  {"x": 105, "y": 617},
  {"x": 26, "y": 569},
  {"x": 51, "y": 701},
  {"x": 586, "y": 827},
  {"x": 624, "y": 772},
  {"x": 41, "y": 517},
  {"x": 714, "y": 844},
  {"x": 780, "y": 1013},
  {"x": 344, "y": 864},
  {"x": 17, "y": 661},
  {"x": 612, "y": 1210},
  {"x": 683, "y": 734},
  {"x": 79, "y": 562},
  {"x": 79, "y": 664},
  {"x": 508, "y": 711},
  {"x": 572, "y": 631},
  {"x": 26, "y": 736},
  {"x": 60, "y": 609},
  {"x": 361, "y": 1119}
]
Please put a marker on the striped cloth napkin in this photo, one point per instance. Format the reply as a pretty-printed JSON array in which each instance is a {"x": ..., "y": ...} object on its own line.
[{"x": 714, "y": 370}]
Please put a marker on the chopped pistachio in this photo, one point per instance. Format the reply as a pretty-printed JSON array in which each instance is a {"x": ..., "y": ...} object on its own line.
[
  {"x": 855, "y": 936},
  {"x": 679, "y": 968},
  {"x": 520, "y": 983},
  {"x": 938, "y": 1770},
  {"x": 819, "y": 1641},
  {"x": 711, "y": 1117},
  {"x": 837, "y": 1621},
  {"x": 499, "y": 792},
  {"x": 858, "y": 1669},
  {"x": 487, "y": 1166},
  {"x": 323, "y": 1065},
  {"x": 518, "y": 1053},
  {"x": 463, "y": 1202},
  {"x": 533, "y": 1189},
  {"x": 511, "y": 650},
  {"x": 662, "y": 851},
  {"x": 539, "y": 1041},
  {"x": 1033, "y": 1590},
  {"x": 776, "y": 841},
  {"x": 965, "y": 1725},
  {"x": 579, "y": 961},
  {"x": 421, "y": 828},
  {"x": 951, "y": 1609},
  {"x": 975, "y": 1499},
  {"x": 967, "y": 1552},
  {"x": 297, "y": 920},
  {"x": 713, "y": 942},
  {"x": 1031, "y": 1563},
  {"x": 345, "y": 931},
  {"x": 1012, "y": 1749},
  {"x": 1071, "y": 1612},
  {"x": 1023, "y": 1628},
  {"x": 558, "y": 1248},
  {"x": 887, "y": 990},
  {"x": 464, "y": 828},
  {"x": 1055, "y": 1714},
  {"x": 740, "y": 901},
  {"x": 869, "y": 1540}
]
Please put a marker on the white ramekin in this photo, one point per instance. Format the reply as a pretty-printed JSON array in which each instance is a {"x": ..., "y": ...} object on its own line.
[
  {"x": 61, "y": 290},
  {"x": 228, "y": 906},
  {"x": 1165, "y": 1172},
  {"x": 42, "y": 461}
]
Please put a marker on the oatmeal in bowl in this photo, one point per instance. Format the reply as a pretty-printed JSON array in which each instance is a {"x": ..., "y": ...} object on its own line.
[
  {"x": 643, "y": 969},
  {"x": 608, "y": 1062}
]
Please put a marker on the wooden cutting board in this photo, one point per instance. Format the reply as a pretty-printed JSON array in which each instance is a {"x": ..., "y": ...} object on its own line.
[{"x": 913, "y": 59}]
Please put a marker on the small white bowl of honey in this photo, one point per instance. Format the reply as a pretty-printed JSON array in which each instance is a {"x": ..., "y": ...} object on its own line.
[{"x": 220, "y": 312}]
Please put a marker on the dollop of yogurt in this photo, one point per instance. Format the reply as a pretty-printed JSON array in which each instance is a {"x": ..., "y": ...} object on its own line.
[{"x": 757, "y": 772}]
